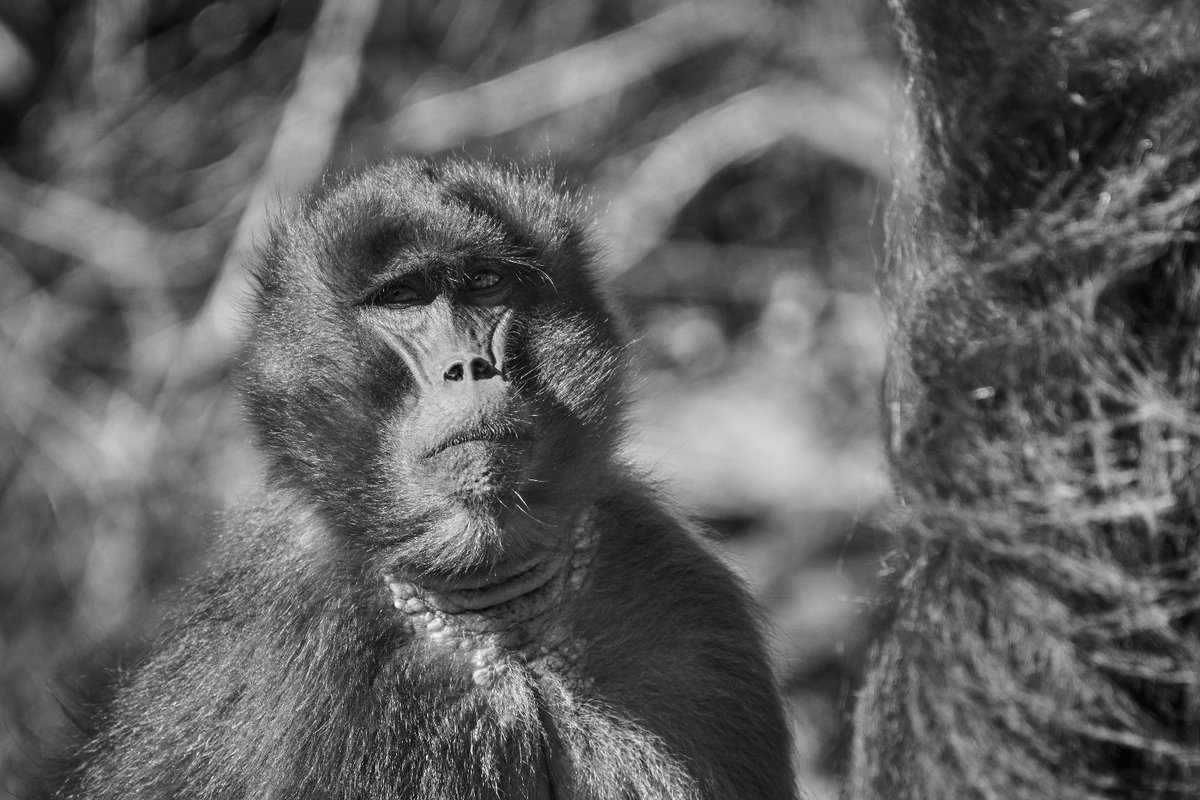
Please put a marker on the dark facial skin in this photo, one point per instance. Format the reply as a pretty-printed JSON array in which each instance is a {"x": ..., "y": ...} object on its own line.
[{"x": 468, "y": 444}]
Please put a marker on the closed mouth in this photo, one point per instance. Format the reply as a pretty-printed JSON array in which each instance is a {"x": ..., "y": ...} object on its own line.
[{"x": 504, "y": 436}]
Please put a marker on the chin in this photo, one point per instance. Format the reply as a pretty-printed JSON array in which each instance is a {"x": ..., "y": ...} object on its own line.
[
  {"x": 484, "y": 502},
  {"x": 467, "y": 534},
  {"x": 479, "y": 471}
]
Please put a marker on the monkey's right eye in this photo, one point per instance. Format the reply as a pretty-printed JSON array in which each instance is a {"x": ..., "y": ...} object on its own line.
[{"x": 397, "y": 294}]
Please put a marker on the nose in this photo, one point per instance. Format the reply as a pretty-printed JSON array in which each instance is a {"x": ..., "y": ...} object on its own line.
[{"x": 469, "y": 368}]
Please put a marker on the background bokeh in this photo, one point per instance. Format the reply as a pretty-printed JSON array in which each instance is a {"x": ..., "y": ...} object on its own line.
[{"x": 737, "y": 154}]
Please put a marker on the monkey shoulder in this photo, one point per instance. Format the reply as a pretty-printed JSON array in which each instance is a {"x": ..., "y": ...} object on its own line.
[
  {"x": 675, "y": 641},
  {"x": 647, "y": 551}
]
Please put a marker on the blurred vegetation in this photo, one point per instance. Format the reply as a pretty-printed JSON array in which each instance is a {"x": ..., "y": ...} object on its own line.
[{"x": 736, "y": 150}]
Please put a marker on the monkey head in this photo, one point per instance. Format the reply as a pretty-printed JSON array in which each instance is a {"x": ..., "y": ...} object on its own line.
[{"x": 431, "y": 366}]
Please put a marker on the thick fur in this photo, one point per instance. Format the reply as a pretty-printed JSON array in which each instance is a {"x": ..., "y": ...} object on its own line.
[
  {"x": 1044, "y": 640},
  {"x": 288, "y": 673}
]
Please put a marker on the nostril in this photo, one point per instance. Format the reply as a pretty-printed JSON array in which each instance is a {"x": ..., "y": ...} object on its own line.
[{"x": 480, "y": 369}]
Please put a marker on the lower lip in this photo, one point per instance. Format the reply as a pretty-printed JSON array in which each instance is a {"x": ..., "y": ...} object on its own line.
[{"x": 458, "y": 445}]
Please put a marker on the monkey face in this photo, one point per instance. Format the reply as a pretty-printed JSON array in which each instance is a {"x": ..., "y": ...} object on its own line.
[
  {"x": 464, "y": 431},
  {"x": 470, "y": 441},
  {"x": 431, "y": 365}
]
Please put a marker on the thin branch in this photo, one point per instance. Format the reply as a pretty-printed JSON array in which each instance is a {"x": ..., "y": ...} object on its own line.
[
  {"x": 681, "y": 163},
  {"x": 122, "y": 246},
  {"x": 305, "y": 137},
  {"x": 566, "y": 79}
]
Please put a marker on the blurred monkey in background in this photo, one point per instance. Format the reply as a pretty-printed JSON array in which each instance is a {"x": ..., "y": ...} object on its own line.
[{"x": 1044, "y": 640}]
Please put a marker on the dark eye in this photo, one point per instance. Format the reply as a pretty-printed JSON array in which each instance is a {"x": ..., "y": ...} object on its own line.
[
  {"x": 483, "y": 280},
  {"x": 397, "y": 294}
]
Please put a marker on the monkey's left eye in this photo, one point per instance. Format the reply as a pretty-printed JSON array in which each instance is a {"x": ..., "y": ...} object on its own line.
[
  {"x": 397, "y": 294},
  {"x": 483, "y": 279}
]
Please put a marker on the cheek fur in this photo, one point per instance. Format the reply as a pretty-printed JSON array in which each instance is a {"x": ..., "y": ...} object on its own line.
[{"x": 576, "y": 364}]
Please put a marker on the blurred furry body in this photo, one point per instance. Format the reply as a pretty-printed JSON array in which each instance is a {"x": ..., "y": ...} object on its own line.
[
  {"x": 320, "y": 657},
  {"x": 1044, "y": 640}
]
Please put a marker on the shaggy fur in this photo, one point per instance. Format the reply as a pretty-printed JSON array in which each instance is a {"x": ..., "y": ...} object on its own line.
[
  {"x": 294, "y": 669},
  {"x": 1045, "y": 639}
]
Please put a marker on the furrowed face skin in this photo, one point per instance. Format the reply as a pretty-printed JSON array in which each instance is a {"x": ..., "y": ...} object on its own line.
[{"x": 442, "y": 379}]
